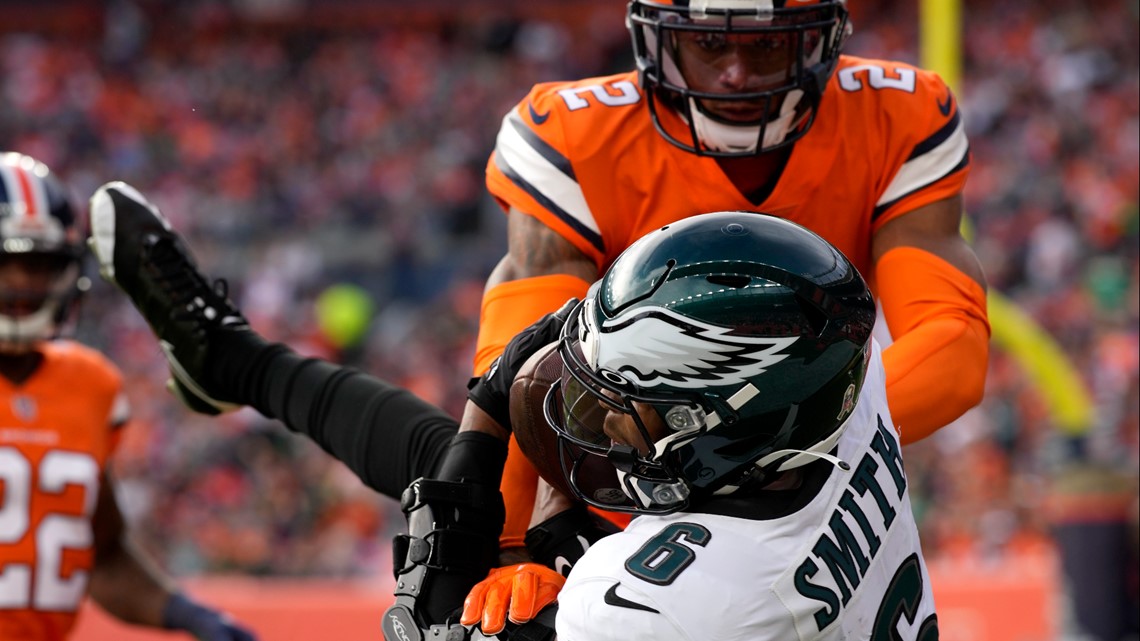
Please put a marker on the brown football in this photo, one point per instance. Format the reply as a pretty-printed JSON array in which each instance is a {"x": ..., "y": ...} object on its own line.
[{"x": 528, "y": 393}]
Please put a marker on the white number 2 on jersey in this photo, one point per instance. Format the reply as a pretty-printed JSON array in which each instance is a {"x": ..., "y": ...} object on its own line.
[
  {"x": 901, "y": 78},
  {"x": 626, "y": 95},
  {"x": 54, "y": 533}
]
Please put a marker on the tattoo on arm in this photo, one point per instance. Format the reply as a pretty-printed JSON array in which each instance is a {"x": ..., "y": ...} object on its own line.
[{"x": 537, "y": 250}]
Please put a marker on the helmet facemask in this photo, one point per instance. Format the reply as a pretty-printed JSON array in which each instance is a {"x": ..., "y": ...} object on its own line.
[
  {"x": 789, "y": 52},
  {"x": 635, "y": 473}
]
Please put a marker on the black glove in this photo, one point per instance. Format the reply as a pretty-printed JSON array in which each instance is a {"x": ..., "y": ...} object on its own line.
[
  {"x": 180, "y": 613},
  {"x": 492, "y": 391}
]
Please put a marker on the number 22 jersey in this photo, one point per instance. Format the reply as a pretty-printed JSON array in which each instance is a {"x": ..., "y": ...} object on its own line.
[{"x": 57, "y": 431}]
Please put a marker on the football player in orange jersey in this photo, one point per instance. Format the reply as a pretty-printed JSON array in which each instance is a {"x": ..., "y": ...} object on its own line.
[
  {"x": 62, "y": 408},
  {"x": 734, "y": 105},
  {"x": 748, "y": 105}
]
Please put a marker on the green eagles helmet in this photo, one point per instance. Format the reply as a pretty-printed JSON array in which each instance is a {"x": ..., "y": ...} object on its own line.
[{"x": 748, "y": 335}]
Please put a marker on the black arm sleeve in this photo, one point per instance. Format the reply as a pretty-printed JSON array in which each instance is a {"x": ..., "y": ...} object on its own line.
[{"x": 385, "y": 434}]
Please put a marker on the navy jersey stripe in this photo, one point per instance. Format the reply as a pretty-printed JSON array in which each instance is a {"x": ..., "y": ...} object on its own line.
[
  {"x": 935, "y": 139},
  {"x": 551, "y": 154},
  {"x": 885, "y": 206},
  {"x": 594, "y": 239}
]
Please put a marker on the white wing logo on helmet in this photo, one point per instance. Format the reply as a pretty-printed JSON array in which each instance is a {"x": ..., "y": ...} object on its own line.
[{"x": 655, "y": 346}]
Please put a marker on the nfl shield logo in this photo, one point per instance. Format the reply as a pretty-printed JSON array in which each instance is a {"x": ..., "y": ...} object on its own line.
[{"x": 24, "y": 407}]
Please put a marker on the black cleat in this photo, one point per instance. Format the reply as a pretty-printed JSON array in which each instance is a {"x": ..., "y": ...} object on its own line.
[{"x": 138, "y": 251}]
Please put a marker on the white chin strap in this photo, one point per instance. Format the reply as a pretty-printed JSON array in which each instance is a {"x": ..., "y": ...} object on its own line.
[
  {"x": 800, "y": 458},
  {"x": 34, "y": 327},
  {"x": 719, "y": 136},
  {"x": 803, "y": 457}
]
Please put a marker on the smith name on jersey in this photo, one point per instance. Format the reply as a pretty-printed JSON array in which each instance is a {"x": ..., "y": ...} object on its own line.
[
  {"x": 837, "y": 559},
  {"x": 584, "y": 158}
]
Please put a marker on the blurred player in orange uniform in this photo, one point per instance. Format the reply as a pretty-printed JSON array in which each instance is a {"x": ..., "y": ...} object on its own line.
[
  {"x": 748, "y": 105},
  {"x": 62, "y": 408}
]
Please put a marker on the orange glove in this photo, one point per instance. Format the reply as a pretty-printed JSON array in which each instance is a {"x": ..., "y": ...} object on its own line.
[{"x": 526, "y": 587}]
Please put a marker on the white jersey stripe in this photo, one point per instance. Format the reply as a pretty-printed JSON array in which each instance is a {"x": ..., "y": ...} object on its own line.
[
  {"x": 120, "y": 411},
  {"x": 929, "y": 167},
  {"x": 533, "y": 167}
]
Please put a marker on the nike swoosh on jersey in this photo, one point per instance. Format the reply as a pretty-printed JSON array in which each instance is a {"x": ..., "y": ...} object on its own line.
[
  {"x": 612, "y": 598},
  {"x": 943, "y": 107},
  {"x": 535, "y": 116}
]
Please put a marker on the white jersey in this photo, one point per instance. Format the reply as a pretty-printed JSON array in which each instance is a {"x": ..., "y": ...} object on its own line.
[{"x": 844, "y": 566}]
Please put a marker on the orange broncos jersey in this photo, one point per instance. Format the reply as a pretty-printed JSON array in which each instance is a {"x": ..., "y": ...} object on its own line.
[
  {"x": 57, "y": 430},
  {"x": 584, "y": 158}
]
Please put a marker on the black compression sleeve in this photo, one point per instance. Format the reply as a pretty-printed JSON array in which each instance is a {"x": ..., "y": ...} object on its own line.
[
  {"x": 475, "y": 457},
  {"x": 385, "y": 434}
]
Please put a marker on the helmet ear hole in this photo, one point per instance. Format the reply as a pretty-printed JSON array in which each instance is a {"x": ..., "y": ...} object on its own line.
[{"x": 729, "y": 280}]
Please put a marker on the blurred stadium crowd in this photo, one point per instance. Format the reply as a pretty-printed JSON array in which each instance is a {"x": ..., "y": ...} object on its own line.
[{"x": 298, "y": 151}]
